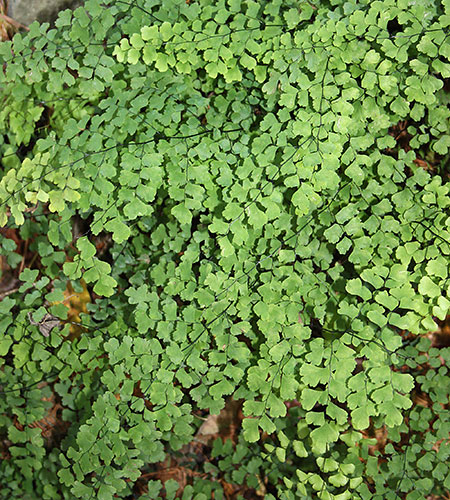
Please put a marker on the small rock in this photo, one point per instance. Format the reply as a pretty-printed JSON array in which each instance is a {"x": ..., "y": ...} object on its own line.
[{"x": 27, "y": 11}]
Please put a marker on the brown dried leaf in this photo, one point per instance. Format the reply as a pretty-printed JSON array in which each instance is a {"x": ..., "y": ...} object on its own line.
[
  {"x": 47, "y": 323},
  {"x": 225, "y": 424}
]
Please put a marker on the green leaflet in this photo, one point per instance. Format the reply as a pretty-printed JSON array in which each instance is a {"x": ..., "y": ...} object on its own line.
[{"x": 244, "y": 205}]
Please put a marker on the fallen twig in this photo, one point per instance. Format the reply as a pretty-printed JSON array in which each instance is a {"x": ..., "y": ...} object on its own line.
[{"x": 13, "y": 22}]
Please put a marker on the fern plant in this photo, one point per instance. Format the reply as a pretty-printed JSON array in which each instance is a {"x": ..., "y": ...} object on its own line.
[{"x": 256, "y": 196}]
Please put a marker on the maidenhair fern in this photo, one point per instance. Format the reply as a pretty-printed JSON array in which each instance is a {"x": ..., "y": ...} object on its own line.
[{"x": 256, "y": 196}]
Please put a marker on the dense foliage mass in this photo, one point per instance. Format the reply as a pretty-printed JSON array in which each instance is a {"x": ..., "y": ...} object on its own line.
[{"x": 255, "y": 194}]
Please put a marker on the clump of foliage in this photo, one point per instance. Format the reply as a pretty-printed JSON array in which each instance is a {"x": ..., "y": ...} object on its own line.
[{"x": 249, "y": 226}]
